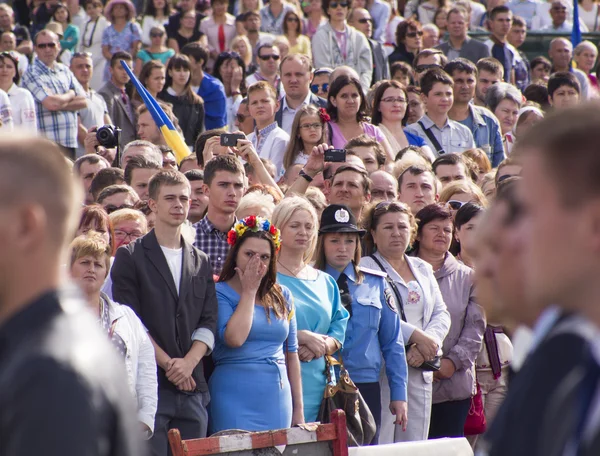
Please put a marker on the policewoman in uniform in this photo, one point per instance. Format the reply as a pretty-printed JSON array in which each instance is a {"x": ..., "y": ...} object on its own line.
[{"x": 373, "y": 334}]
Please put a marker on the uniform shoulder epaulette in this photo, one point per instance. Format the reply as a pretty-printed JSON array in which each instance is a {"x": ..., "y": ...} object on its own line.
[{"x": 376, "y": 272}]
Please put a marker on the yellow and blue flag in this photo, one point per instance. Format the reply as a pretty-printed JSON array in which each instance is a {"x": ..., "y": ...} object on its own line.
[{"x": 173, "y": 138}]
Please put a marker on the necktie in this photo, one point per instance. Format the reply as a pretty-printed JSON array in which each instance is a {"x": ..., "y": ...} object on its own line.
[
  {"x": 342, "y": 282},
  {"x": 124, "y": 96},
  {"x": 222, "y": 38}
]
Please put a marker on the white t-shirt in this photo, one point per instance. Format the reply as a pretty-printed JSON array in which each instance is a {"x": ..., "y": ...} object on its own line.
[
  {"x": 23, "y": 108},
  {"x": 174, "y": 259}
]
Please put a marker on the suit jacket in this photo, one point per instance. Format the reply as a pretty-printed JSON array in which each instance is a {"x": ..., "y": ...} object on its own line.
[
  {"x": 381, "y": 67},
  {"x": 472, "y": 49},
  {"x": 143, "y": 281},
  {"x": 119, "y": 112},
  {"x": 314, "y": 100}
]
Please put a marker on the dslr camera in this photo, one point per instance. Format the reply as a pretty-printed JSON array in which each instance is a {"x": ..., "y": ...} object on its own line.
[{"x": 108, "y": 136}]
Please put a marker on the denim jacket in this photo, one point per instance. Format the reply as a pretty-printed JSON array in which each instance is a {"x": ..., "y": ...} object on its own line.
[{"x": 487, "y": 133}]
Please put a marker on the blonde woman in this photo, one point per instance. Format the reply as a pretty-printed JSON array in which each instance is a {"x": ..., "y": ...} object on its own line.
[
  {"x": 242, "y": 46},
  {"x": 320, "y": 316},
  {"x": 459, "y": 193}
]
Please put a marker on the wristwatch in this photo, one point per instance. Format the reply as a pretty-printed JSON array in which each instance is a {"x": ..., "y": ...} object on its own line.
[{"x": 305, "y": 176}]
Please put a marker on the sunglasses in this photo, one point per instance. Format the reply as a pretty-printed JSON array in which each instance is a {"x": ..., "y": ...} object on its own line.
[
  {"x": 423, "y": 68},
  {"x": 456, "y": 205},
  {"x": 46, "y": 45},
  {"x": 292, "y": 19},
  {"x": 110, "y": 208},
  {"x": 366, "y": 20},
  {"x": 157, "y": 35},
  {"x": 314, "y": 88},
  {"x": 414, "y": 34},
  {"x": 269, "y": 56},
  {"x": 240, "y": 118},
  {"x": 334, "y": 5}
]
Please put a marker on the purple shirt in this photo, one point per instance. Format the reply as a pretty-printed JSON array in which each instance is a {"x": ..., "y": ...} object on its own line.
[{"x": 339, "y": 142}]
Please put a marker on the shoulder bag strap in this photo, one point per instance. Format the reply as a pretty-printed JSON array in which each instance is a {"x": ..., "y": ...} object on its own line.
[
  {"x": 392, "y": 286},
  {"x": 440, "y": 150}
]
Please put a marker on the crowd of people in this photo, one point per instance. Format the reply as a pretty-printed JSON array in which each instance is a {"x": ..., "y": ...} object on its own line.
[{"x": 366, "y": 181}]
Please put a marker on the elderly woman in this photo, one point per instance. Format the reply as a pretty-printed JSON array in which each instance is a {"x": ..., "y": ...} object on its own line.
[
  {"x": 454, "y": 383},
  {"x": 255, "y": 203},
  {"x": 505, "y": 100},
  {"x": 585, "y": 55},
  {"x": 89, "y": 265}
]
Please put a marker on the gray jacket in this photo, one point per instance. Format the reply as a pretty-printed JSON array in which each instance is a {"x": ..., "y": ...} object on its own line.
[
  {"x": 463, "y": 342},
  {"x": 471, "y": 49},
  {"x": 326, "y": 52},
  {"x": 381, "y": 67}
]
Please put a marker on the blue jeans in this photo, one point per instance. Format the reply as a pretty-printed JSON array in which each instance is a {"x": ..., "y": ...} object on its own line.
[{"x": 186, "y": 412}]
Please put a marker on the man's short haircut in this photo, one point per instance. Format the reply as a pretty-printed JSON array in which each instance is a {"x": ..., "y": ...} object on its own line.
[
  {"x": 541, "y": 60},
  {"x": 139, "y": 162},
  {"x": 501, "y": 9},
  {"x": 116, "y": 189},
  {"x": 154, "y": 151},
  {"x": 262, "y": 85},
  {"x": 368, "y": 141},
  {"x": 88, "y": 158},
  {"x": 118, "y": 56},
  {"x": 428, "y": 53},
  {"x": 196, "y": 51},
  {"x": 561, "y": 79},
  {"x": 502, "y": 91},
  {"x": 460, "y": 65},
  {"x": 45, "y": 32},
  {"x": 165, "y": 177},
  {"x": 491, "y": 65},
  {"x": 366, "y": 182},
  {"x": 229, "y": 163},
  {"x": 402, "y": 67},
  {"x": 201, "y": 143},
  {"x": 432, "y": 77},
  {"x": 448, "y": 159},
  {"x": 459, "y": 10},
  {"x": 105, "y": 178},
  {"x": 34, "y": 170},
  {"x": 194, "y": 175},
  {"x": 416, "y": 149},
  {"x": 264, "y": 44},
  {"x": 417, "y": 170},
  {"x": 304, "y": 59},
  {"x": 190, "y": 157},
  {"x": 518, "y": 21}
]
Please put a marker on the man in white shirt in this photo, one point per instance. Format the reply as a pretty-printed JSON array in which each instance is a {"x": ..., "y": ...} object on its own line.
[{"x": 560, "y": 24}]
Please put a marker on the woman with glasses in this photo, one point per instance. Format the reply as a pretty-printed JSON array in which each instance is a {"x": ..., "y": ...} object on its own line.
[
  {"x": 156, "y": 14},
  {"x": 346, "y": 106},
  {"x": 336, "y": 43},
  {"x": 455, "y": 380},
  {"x": 70, "y": 39},
  {"x": 409, "y": 41},
  {"x": 21, "y": 100},
  {"x": 320, "y": 82},
  {"x": 390, "y": 113},
  {"x": 425, "y": 322},
  {"x": 156, "y": 51},
  {"x": 374, "y": 333},
  {"x": 309, "y": 129},
  {"x": 292, "y": 29},
  {"x": 458, "y": 193},
  {"x": 91, "y": 40},
  {"x": 188, "y": 107},
  {"x": 230, "y": 69}
]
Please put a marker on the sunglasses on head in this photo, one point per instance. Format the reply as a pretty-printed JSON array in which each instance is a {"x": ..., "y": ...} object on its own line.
[
  {"x": 314, "y": 88},
  {"x": 414, "y": 34},
  {"x": 269, "y": 56},
  {"x": 423, "y": 68},
  {"x": 82, "y": 54},
  {"x": 46, "y": 45},
  {"x": 365, "y": 20},
  {"x": 334, "y": 5},
  {"x": 456, "y": 205}
]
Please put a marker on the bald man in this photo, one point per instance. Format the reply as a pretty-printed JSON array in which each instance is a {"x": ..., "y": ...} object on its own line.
[
  {"x": 63, "y": 388},
  {"x": 561, "y": 53}
]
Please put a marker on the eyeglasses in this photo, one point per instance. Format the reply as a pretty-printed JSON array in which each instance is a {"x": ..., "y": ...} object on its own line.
[
  {"x": 314, "y": 126},
  {"x": 314, "y": 88},
  {"x": 414, "y": 34},
  {"x": 292, "y": 19},
  {"x": 46, "y": 45},
  {"x": 559, "y": 8},
  {"x": 122, "y": 234},
  {"x": 365, "y": 20},
  {"x": 157, "y": 35},
  {"x": 394, "y": 100},
  {"x": 456, "y": 205},
  {"x": 269, "y": 56},
  {"x": 334, "y": 5},
  {"x": 110, "y": 208},
  {"x": 241, "y": 118},
  {"x": 423, "y": 68}
]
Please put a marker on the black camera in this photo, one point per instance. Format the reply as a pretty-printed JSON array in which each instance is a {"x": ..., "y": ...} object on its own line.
[
  {"x": 108, "y": 136},
  {"x": 335, "y": 155},
  {"x": 231, "y": 139}
]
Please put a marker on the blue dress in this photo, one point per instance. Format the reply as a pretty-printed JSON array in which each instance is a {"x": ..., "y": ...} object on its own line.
[
  {"x": 120, "y": 41},
  {"x": 319, "y": 310},
  {"x": 249, "y": 388}
]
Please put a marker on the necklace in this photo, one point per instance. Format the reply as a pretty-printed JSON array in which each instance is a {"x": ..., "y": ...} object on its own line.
[{"x": 295, "y": 274}]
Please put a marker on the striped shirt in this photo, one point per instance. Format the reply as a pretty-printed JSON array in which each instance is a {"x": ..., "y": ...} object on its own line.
[{"x": 42, "y": 81}]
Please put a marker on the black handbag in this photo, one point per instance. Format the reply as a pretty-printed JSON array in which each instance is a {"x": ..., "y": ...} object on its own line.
[
  {"x": 433, "y": 365},
  {"x": 343, "y": 394}
]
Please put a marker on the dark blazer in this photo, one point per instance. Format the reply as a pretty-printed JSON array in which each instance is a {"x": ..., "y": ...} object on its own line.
[
  {"x": 381, "y": 67},
  {"x": 142, "y": 280},
  {"x": 118, "y": 112},
  {"x": 536, "y": 416},
  {"x": 472, "y": 49},
  {"x": 314, "y": 100}
]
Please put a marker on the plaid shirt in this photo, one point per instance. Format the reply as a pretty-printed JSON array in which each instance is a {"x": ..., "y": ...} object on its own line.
[
  {"x": 212, "y": 242},
  {"x": 42, "y": 81}
]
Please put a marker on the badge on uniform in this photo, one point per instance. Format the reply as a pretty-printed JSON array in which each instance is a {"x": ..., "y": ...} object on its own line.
[
  {"x": 389, "y": 299},
  {"x": 342, "y": 216}
]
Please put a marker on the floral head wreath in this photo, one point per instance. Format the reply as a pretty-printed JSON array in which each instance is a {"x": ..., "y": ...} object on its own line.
[
  {"x": 254, "y": 223},
  {"x": 323, "y": 115}
]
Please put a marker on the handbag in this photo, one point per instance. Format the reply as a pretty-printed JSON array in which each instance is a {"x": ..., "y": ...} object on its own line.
[
  {"x": 343, "y": 394},
  {"x": 433, "y": 365},
  {"x": 476, "y": 423}
]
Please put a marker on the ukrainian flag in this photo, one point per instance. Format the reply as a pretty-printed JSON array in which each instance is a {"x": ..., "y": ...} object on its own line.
[{"x": 172, "y": 137}]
